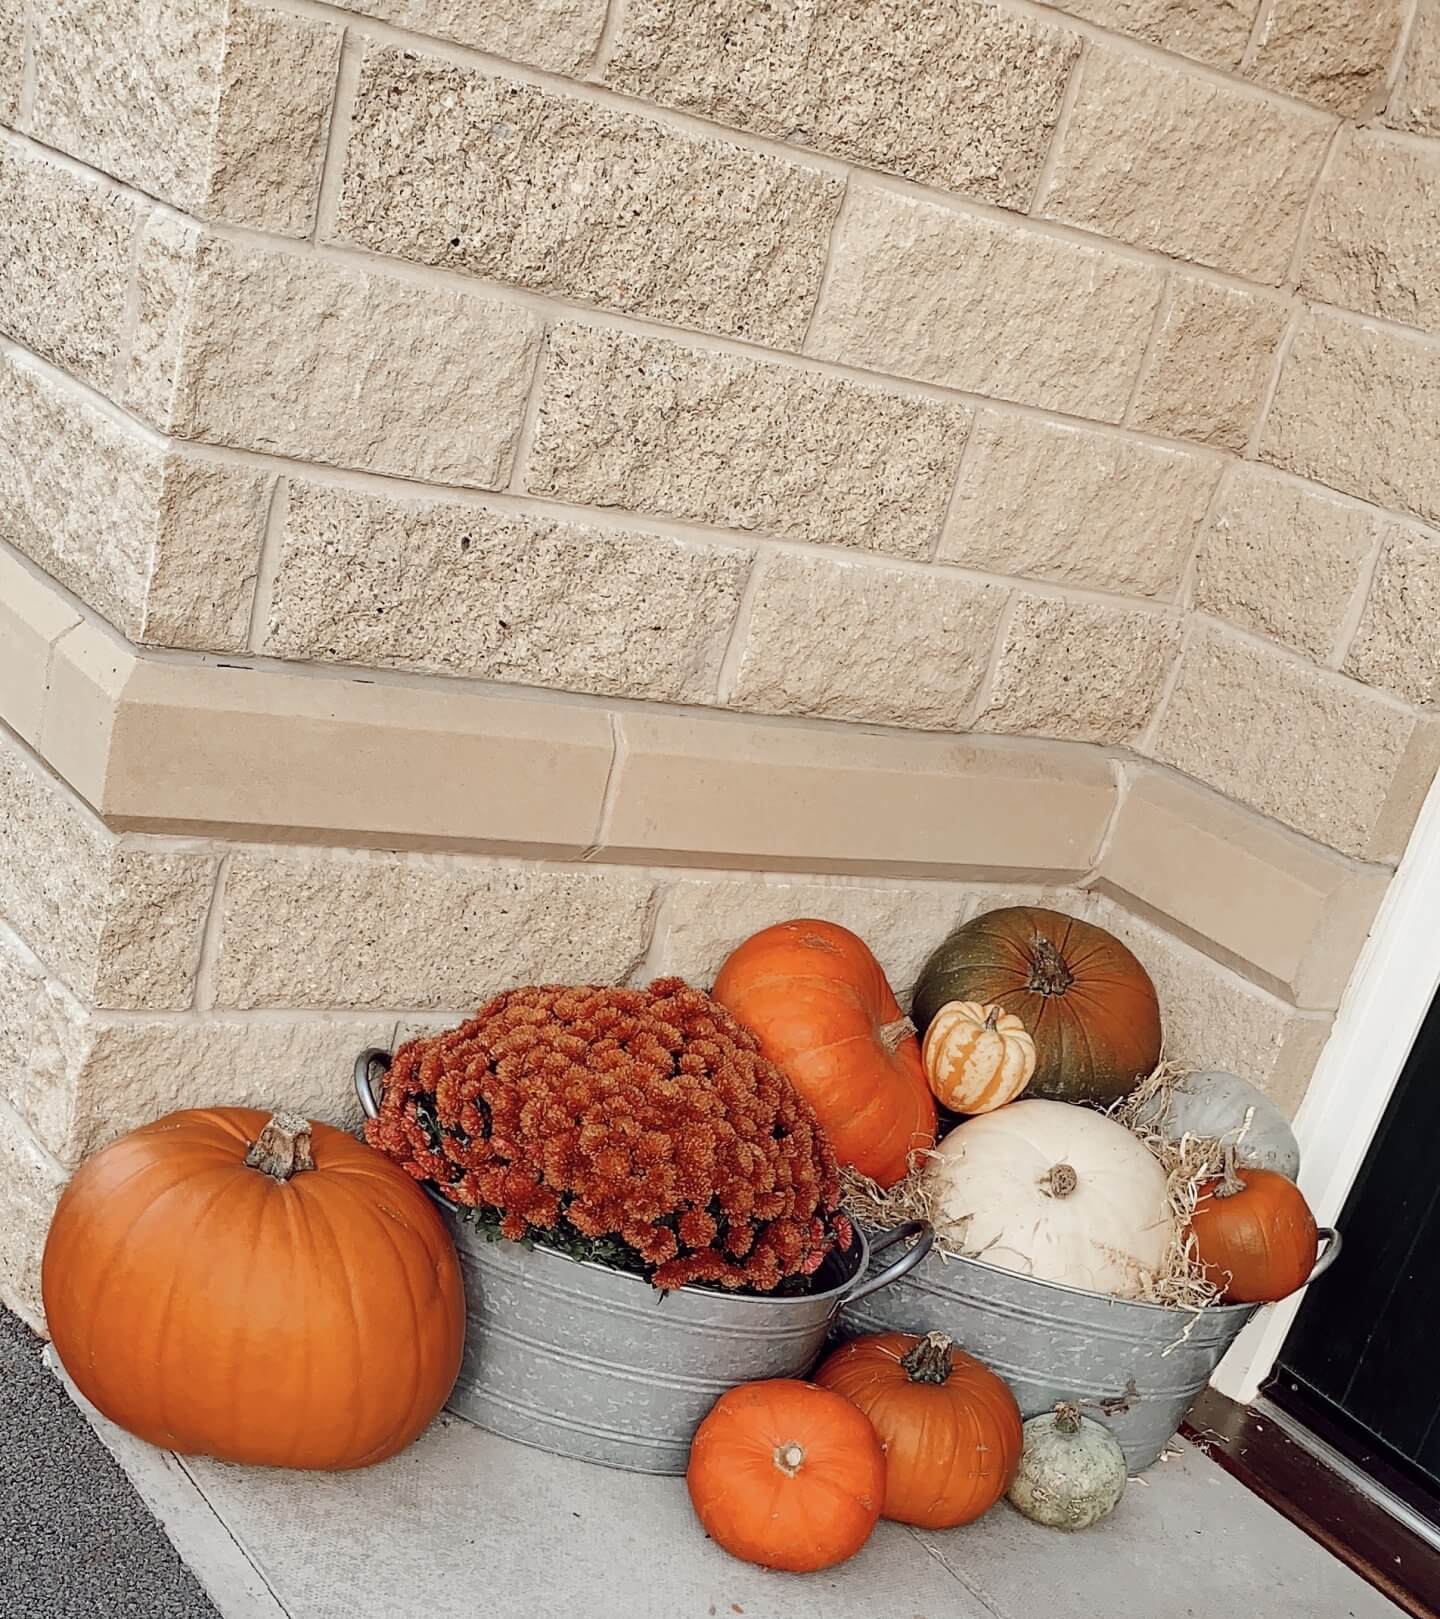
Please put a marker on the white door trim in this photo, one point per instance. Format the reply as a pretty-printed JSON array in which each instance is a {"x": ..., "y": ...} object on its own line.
[{"x": 1383, "y": 1007}]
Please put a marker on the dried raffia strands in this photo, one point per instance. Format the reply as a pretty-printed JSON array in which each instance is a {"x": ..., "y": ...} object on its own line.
[
  {"x": 642, "y": 1128},
  {"x": 1188, "y": 1163}
]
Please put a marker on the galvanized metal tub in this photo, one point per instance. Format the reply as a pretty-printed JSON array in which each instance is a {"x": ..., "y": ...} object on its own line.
[
  {"x": 1136, "y": 1367},
  {"x": 580, "y": 1360}
]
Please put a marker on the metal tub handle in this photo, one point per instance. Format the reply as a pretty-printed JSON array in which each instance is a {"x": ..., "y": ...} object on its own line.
[
  {"x": 365, "y": 1076},
  {"x": 924, "y": 1235},
  {"x": 1331, "y": 1238}
]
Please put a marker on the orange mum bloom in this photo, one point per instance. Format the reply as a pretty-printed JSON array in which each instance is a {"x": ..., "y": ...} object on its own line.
[{"x": 639, "y": 1126}]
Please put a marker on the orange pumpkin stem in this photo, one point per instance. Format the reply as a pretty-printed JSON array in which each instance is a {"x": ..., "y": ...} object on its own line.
[
  {"x": 892, "y": 1035},
  {"x": 789, "y": 1458},
  {"x": 282, "y": 1148},
  {"x": 929, "y": 1361},
  {"x": 1230, "y": 1182}
]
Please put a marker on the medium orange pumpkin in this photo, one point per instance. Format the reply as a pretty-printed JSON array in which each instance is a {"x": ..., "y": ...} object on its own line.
[
  {"x": 273, "y": 1293},
  {"x": 827, "y": 1017},
  {"x": 1087, "y": 1003},
  {"x": 1255, "y": 1234},
  {"x": 949, "y": 1427},
  {"x": 786, "y": 1475}
]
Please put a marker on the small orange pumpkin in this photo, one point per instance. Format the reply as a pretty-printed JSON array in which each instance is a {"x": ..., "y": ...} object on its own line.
[
  {"x": 272, "y": 1293},
  {"x": 977, "y": 1058},
  {"x": 827, "y": 1017},
  {"x": 1255, "y": 1234},
  {"x": 949, "y": 1427},
  {"x": 787, "y": 1475}
]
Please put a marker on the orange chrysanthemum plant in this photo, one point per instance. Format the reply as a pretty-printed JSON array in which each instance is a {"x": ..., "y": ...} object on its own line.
[{"x": 638, "y": 1127}]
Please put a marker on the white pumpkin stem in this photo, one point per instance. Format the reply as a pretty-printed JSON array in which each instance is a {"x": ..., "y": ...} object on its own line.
[
  {"x": 282, "y": 1148},
  {"x": 891, "y": 1034},
  {"x": 1068, "y": 1418},
  {"x": 1230, "y": 1182},
  {"x": 789, "y": 1458},
  {"x": 992, "y": 1016},
  {"x": 929, "y": 1361},
  {"x": 1059, "y": 1181}
]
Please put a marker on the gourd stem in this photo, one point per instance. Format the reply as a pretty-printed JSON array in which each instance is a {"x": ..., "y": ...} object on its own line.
[
  {"x": 789, "y": 1458},
  {"x": 992, "y": 1017},
  {"x": 1230, "y": 1182},
  {"x": 1048, "y": 973},
  {"x": 929, "y": 1360},
  {"x": 1067, "y": 1417},
  {"x": 891, "y": 1034},
  {"x": 282, "y": 1148}
]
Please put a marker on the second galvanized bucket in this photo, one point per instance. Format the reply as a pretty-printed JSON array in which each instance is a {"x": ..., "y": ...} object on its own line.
[
  {"x": 585, "y": 1361},
  {"x": 1136, "y": 1367}
]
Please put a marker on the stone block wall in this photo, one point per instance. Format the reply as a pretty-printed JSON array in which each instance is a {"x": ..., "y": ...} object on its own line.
[{"x": 497, "y": 490}]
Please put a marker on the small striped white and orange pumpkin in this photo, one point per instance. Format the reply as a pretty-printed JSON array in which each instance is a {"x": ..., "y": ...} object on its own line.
[{"x": 977, "y": 1058}]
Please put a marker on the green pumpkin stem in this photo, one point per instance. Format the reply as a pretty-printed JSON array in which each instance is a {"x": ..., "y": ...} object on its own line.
[
  {"x": 929, "y": 1360},
  {"x": 282, "y": 1148},
  {"x": 1048, "y": 973}
]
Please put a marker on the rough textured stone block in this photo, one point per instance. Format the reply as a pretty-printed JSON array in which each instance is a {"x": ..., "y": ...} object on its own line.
[
  {"x": 1192, "y": 168},
  {"x": 1332, "y": 52},
  {"x": 504, "y": 180},
  {"x": 1359, "y": 409},
  {"x": 959, "y": 95},
  {"x": 558, "y": 34},
  {"x": 1415, "y": 102},
  {"x": 1396, "y": 645},
  {"x": 220, "y": 109},
  {"x": 276, "y": 85},
  {"x": 701, "y": 922},
  {"x": 164, "y": 546},
  {"x": 853, "y": 641},
  {"x": 469, "y": 590},
  {"x": 80, "y": 1079},
  {"x": 1302, "y": 745},
  {"x": 1285, "y": 912},
  {"x": 1215, "y": 31},
  {"x": 1283, "y": 561},
  {"x": 120, "y": 924},
  {"x": 30, "y": 1186},
  {"x": 985, "y": 305},
  {"x": 335, "y": 931},
  {"x": 1374, "y": 238},
  {"x": 300, "y": 357},
  {"x": 1081, "y": 671},
  {"x": 65, "y": 246},
  {"x": 1213, "y": 357},
  {"x": 12, "y": 56},
  {"x": 1076, "y": 507},
  {"x": 1214, "y": 1018},
  {"x": 651, "y": 426}
]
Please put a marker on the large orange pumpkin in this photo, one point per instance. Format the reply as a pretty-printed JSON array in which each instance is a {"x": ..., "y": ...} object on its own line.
[
  {"x": 1086, "y": 1001},
  {"x": 274, "y": 1293},
  {"x": 1254, "y": 1234},
  {"x": 949, "y": 1427},
  {"x": 786, "y": 1475},
  {"x": 827, "y": 1017}
]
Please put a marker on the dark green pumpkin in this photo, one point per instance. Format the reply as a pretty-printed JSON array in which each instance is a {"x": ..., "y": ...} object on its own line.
[{"x": 1087, "y": 1002}]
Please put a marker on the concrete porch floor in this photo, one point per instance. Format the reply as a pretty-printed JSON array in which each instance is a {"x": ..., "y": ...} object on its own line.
[{"x": 466, "y": 1523}]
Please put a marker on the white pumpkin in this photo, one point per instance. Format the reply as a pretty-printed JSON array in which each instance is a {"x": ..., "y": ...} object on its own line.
[
  {"x": 1071, "y": 1473},
  {"x": 1223, "y": 1107},
  {"x": 1056, "y": 1192}
]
